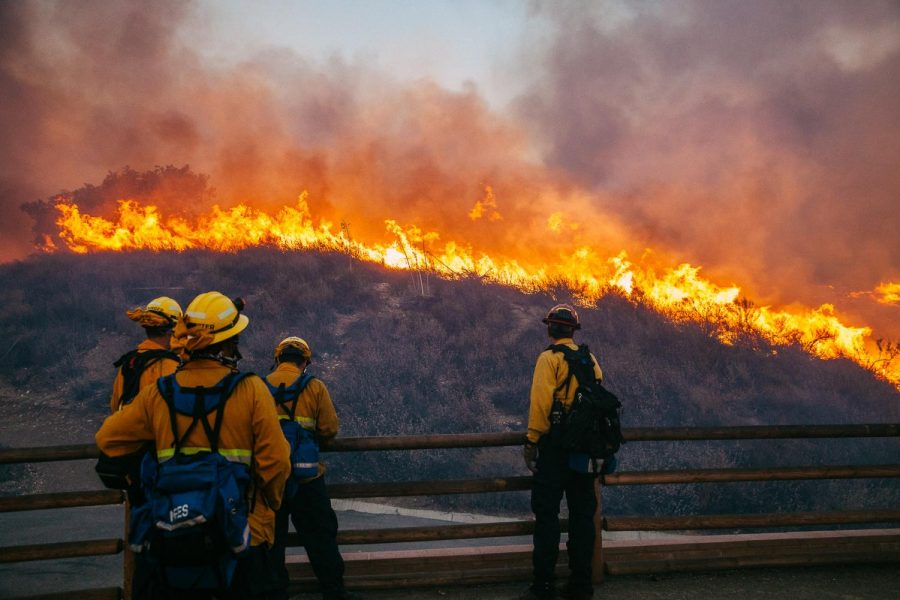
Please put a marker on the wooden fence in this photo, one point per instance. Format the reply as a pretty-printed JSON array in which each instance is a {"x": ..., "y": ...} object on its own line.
[{"x": 471, "y": 565}]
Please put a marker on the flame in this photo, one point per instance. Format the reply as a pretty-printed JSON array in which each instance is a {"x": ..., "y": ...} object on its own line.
[
  {"x": 680, "y": 293},
  {"x": 488, "y": 207},
  {"x": 888, "y": 293}
]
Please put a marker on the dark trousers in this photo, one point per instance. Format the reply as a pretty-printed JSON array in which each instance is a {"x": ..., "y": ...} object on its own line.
[
  {"x": 553, "y": 479},
  {"x": 309, "y": 509},
  {"x": 256, "y": 577}
]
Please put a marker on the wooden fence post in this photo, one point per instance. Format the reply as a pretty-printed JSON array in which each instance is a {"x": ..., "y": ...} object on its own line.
[
  {"x": 127, "y": 556},
  {"x": 597, "y": 564}
]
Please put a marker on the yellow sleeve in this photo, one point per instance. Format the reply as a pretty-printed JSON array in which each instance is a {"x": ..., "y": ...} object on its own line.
[
  {"x": 118, "y": 385},
  {"x": 127, "y": 430},
  {"x": 271, "y": 452},
  {"x": 327, "y": 423},
  {"x": 543, "y": 385}
]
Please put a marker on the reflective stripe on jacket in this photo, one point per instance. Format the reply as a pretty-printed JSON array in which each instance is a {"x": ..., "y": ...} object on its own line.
[
  {"x": 550, "y": 373},
  {"x": 250, "y": 434},
  {"x": 159, "y": 368},
  {"x": 315, "y": 410}
]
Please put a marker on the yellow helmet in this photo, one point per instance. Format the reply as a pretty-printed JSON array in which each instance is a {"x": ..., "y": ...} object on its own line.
[
  {"x": 293, "y": 342},
  {"x": 159, "y": 312},
  {"x": 213, "y": 317},
  {"x": 166, "y": 307}
]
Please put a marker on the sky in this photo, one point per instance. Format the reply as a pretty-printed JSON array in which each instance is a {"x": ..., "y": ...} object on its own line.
[{"x": 760, "y": 139}]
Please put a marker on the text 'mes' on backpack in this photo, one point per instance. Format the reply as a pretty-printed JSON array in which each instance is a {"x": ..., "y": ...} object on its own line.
[
  {"x": 299, "y": 431},
  {"x": 591, "y": 425},
  {"x": 197, "y": 521}
]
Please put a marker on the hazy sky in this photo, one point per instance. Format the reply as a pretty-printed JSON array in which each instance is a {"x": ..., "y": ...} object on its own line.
[
  {"x": 455, "y": 43},
  {"x": 758, "y": 139}
]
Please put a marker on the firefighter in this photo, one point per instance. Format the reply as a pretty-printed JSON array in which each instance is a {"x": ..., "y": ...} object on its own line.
[
  {"x": 152, "y": 358},
  {"x": 556, "y": 472},
  {"x": 136, "y": 369},
  {"x": 248, "y": 434},
  {"x": 305, "y": 400}
]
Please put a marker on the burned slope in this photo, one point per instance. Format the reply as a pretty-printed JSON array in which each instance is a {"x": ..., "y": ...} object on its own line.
[{"x": 411, "y": 353}]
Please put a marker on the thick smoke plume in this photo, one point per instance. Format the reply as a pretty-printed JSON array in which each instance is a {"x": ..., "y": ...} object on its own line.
[{"x": 758, "y": 139}]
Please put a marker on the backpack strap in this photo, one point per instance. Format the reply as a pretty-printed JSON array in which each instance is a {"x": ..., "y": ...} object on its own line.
[
  {"x": 291, "y": 393},
  {"x": 568, "y": 355},
  {"x": 132, "y": 365},
  {"x": 169, "y": 387}
]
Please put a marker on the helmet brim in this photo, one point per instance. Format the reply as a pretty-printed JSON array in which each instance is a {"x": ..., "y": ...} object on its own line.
[
  {"x": 561, "y": 322},
  {"x": 232, "y": 331}
]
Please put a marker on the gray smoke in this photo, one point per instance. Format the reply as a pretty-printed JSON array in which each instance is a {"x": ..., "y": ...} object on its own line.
[{"x": 759, "y": 139}]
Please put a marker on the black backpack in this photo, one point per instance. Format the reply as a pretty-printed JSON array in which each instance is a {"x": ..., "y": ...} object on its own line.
[
  {"x": 133, "y": 364},
  {"x": 591, "y": 425},
  {"x": 123, "y": 472}
]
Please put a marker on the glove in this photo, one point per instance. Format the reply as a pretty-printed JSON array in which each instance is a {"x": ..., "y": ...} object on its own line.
[
  {"x": 529, "y": 453},
  {"x": 609, "y": 465}
]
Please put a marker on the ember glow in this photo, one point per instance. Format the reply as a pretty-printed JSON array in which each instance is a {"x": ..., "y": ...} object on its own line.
[{"x": 678, "y": 292}]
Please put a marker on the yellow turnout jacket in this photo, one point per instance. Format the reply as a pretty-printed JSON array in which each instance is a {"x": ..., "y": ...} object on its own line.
[
  {"x": 551, "y": 372},
  {"x": 250, "y": 434},
  {"x": 315, "y": 410}
]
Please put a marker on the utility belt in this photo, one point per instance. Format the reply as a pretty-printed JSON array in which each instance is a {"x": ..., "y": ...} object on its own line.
[
  {"x": 557, "y": 422},
  {"x": 576, "y": 461}
]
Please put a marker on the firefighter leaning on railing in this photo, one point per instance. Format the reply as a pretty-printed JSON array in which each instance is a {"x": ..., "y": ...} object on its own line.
[{"x": 246, "y": 430}]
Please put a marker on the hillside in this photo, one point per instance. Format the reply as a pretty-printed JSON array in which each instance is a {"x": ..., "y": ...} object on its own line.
[{"x": 408, "y": 353}]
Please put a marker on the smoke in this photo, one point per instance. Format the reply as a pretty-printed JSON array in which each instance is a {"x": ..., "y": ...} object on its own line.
[
  {"x": 759, "y": 139},
  {"x": 119, "y": 87}
]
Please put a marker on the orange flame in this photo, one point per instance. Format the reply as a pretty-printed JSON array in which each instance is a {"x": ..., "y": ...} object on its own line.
[
  {"x": 680, "y": 293},
  {"x": 888, "y": 293}
]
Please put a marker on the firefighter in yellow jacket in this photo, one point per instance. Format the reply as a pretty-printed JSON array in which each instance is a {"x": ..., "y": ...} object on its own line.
[
  {"x": 247, "y": 432},
  {"x": 135, "y": 370},
  {"x": 152, "y": 358},
  {"x": 557, "y": 472},
  {"x": 304, "y": 399}
]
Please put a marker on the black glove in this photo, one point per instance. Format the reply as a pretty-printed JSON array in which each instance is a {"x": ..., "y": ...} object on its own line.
[{"x": 529, "y": 453}]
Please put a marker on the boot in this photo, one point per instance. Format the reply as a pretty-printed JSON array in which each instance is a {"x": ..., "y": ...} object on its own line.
[
  {"x": 340, "y": 593},
  {"x": 540, "y": 591}
]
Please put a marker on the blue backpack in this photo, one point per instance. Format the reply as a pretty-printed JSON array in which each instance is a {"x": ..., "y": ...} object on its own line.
[
  {"x": 304, "y": 446},
  {"x": 198, "y": 505}
]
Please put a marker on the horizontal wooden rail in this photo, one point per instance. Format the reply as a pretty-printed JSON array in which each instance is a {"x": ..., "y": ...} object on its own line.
[
  {"x": 430, "y": 533},
  {"x": 390, "y": 489},
  {"x": 427, "y": 442},
  {"x": 735, "y": 475},
  {"x": 113, "y": 593},
  {"x": 677, "y": 434},
  {"x": 483, "y": 440},
  {"x": 688, "y": 522},
  {"x": 61, "y": 500},
  {"x": 48, "y": 453},
  {"x": 61, "y": 550}
]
